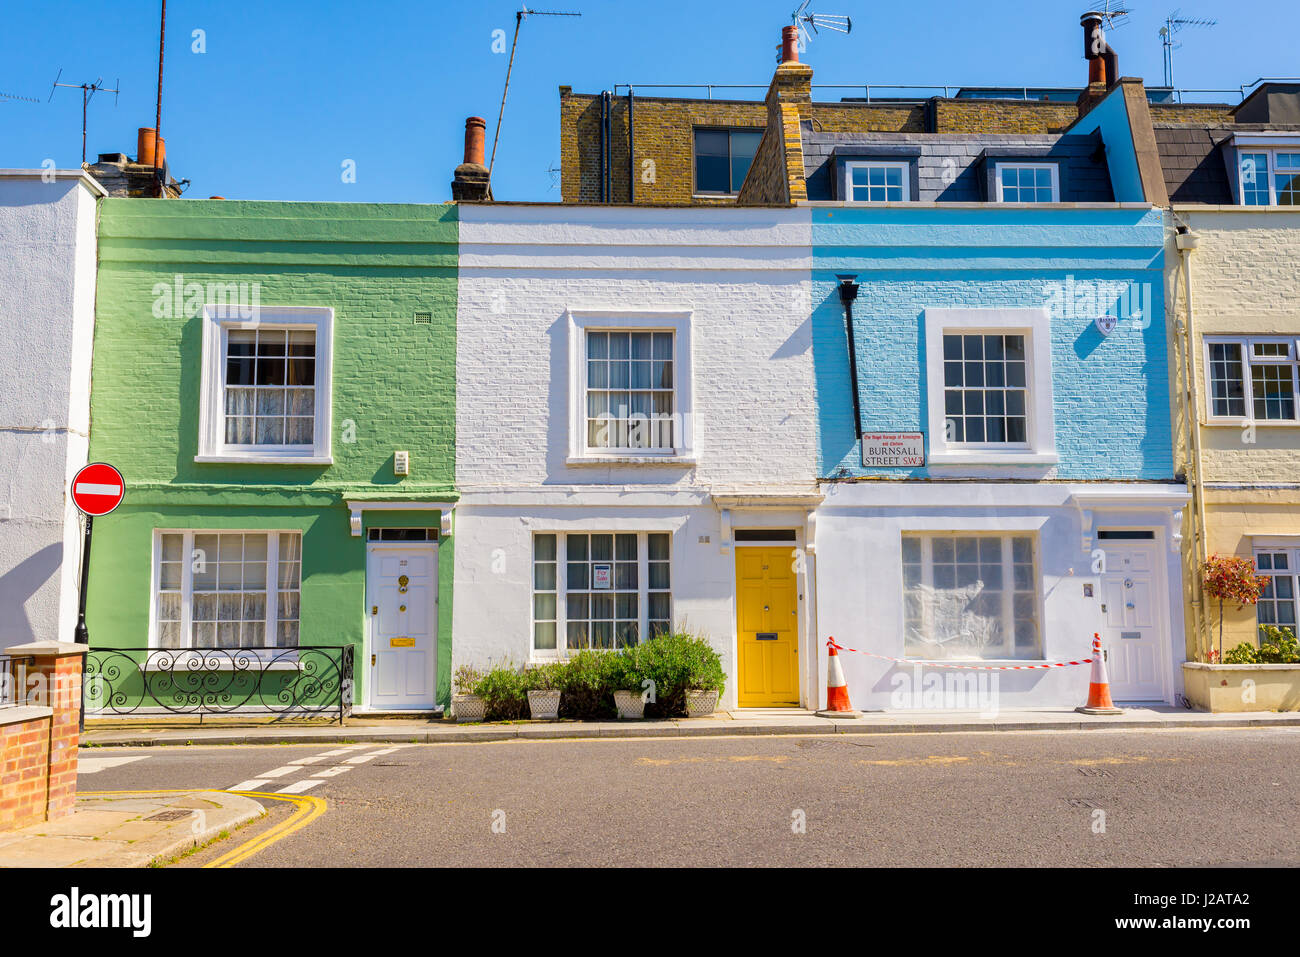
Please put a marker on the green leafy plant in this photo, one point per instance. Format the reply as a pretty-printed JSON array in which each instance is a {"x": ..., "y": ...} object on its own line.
[
  {"x": 587, "y": 685},
  {"x": 1233, "y": 579},
  {"x": 465, "y": 679},
  {"x": 504, "y": 690},
  {"x": 546, "y": 677},
  {"x": 1278, "y": 645},
  {"x": 1244, "y": 654},
  {"x": 677, "y": 662}
]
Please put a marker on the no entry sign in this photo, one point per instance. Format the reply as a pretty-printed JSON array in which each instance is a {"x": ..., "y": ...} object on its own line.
[{"x": 98, "y": 489}]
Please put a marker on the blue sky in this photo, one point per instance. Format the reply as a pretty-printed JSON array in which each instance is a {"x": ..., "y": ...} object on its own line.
[{"x": 287, "y": 91}]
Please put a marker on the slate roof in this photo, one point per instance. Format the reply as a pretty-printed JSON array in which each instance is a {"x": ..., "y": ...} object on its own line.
[
  {"x": 1193, "y": 163},
  {"x": 1083, "y": 179}
]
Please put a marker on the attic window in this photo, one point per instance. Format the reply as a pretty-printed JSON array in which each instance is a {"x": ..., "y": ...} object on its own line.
[
  {"x": 874, "y": 181},
  {"x": 1269, "y": 177},
  {"x": 723, "y": 158},
  {"x": 1027, "y": 183}
]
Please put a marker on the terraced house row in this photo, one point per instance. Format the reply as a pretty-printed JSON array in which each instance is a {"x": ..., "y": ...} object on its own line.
[{"x": 958, "y": 379}]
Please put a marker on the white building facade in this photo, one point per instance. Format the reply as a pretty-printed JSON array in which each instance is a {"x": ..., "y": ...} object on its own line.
[
  {"x": 635, "y": 439},
  {"x": 47, "y": 303}
]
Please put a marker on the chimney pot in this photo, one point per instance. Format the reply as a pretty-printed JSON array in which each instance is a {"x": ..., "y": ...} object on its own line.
[
  {"x": 475, "y": 130},
  {"x": 790, "y": 44}
]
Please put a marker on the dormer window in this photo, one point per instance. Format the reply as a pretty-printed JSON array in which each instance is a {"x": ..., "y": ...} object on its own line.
[
  {"x": 878, "y": 181},
  {"x": 1269, "y": 177},
  {"x": 1027, "y": 183}
]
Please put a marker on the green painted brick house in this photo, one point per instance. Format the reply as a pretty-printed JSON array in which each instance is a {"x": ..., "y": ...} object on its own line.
[{"x": 276, "y": 382}]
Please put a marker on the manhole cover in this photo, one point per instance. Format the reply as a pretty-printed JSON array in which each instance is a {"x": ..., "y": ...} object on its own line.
[{"x": 169, "y": 816}]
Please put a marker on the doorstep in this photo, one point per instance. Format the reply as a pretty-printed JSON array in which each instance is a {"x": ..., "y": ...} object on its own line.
[{"x": 436, "y": 731}]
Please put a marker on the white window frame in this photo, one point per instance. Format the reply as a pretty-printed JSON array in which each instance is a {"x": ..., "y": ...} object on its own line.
[
  {"x": 1053, "y": 167},
  {"x": 1040, "y": 427},
  {"x": 1270, "y": 151},
  {"x": 561, "y": 649},
  {"x": 216, "y": 325},
  {"x": 1247, "y": 344},
  {"x": 851, "y": 165},
  {"x": 1292, "y": 550},
  {"x": 1008, "y": 577},
  {"x": 270, "y": 631},
  {"x": 582, "y": 321}
]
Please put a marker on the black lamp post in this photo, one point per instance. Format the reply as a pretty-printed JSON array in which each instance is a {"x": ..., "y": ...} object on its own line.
[{"x": 848, "y": 293}]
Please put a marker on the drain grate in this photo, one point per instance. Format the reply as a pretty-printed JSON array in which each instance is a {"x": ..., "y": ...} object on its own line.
[
  {"x": 170, "y": 816},
  {"x": 1094, "y": 772},
  {"x": 1082, "y": 802}
]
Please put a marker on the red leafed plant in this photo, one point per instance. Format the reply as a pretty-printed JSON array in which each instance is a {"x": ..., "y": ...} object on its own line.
[{"x": 1233, "y": 579}]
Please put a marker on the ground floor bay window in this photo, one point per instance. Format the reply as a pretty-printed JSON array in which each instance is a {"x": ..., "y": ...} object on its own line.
[
  {"x": 599, "y": 590},
  {"x": 226, "y": 589},
  {"x": 970, "y": 596}
]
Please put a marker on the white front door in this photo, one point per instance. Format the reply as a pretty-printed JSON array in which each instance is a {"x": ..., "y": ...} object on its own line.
[
  {"x": 1134, "y": 624},
  {"x": 401, "y": 600}
]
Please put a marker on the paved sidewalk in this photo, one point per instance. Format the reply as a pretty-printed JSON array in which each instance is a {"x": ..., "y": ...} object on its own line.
[
  {"x": 127, "y": 830},
  {"x": 764, "y": 721}
]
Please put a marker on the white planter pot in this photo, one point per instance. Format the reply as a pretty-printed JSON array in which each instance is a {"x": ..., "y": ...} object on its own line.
[
  {"x": 629, "y": 704},
  {"x": 700, "y": 703},
  {"x": 468, "y": 707},
  {"x": 544, "y": 705}
]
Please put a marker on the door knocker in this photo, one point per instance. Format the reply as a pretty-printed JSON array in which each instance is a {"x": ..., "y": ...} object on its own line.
[{"x": 402, "y": 582}]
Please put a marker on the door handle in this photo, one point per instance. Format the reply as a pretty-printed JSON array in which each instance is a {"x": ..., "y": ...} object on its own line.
[
  {"x": 374, "y": 609},
  {"x": 372, "y": 661}
]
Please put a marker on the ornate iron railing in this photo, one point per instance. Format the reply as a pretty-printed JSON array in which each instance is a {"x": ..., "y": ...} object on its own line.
[{"x": 304, "y": 681}]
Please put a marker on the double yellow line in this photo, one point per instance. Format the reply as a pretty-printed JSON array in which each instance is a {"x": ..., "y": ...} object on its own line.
[{"x": 308, "y": 808}]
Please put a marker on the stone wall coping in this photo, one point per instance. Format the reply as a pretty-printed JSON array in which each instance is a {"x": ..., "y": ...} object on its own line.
[
  {"x": 47, "y": 649},
  {"x": 24, "y": 712},
  {"x": 1262, "y": 666}
]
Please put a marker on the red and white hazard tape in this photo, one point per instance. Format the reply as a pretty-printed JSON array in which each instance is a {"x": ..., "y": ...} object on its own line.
[{"x": 832, "y": 643}]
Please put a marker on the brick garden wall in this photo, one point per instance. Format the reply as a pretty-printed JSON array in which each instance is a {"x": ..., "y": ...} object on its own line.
[{"x": 38, "y": 747}]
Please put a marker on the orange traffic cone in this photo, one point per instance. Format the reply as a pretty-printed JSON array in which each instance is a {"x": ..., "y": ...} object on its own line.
[
  {"x": 1099, "y": 686},
  {"x": 837, "y": 690}
]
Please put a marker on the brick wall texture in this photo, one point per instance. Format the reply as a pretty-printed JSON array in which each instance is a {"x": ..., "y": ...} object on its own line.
[{"x": 38, "y": 777}]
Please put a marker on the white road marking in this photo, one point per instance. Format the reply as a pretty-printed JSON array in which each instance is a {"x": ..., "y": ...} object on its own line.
[
  {"x": 297, "y": 787},
  {"x": 254, "y": 785},
  {"x": 361, "y": 758},
  {"x": 311, "y": 760},
  {"x": 281, "y": 772},
  {"x": 95, "y": 765},
  {"x": 331, "y": 772},
  {"x": 387, "y": 750},
  {"x": 348, "y": 750}
]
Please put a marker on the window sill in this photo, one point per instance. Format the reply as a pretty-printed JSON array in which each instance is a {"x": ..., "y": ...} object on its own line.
[
  {"x": 679, "y": 461},
  {"x": 985, "y": 457},
  {"x": 257, "y": 459},
  {"x": 1253, "y": 423}
]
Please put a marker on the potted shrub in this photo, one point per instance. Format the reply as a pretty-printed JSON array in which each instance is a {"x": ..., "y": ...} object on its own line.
[
  {"x": 503, "y": 689},
  {"x": 543, "y": 684},
  {"x": 465, "y": 704},
  {"x": 1229, "y": 578},
  {"x": 627, "y": 677}
]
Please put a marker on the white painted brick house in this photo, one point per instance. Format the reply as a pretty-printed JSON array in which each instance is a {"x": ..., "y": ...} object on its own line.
[
  {"x": 47, "y": 322},
  {"x": 582, "y": 523}
]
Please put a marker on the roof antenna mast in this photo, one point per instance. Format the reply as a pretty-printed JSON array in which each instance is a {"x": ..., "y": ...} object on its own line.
[
  {"x": 88, "y": 90},
  {"x": 522, "y": 12},
  {"x": 804, "y": 19},
  {"x": 1173, "y": 24}
]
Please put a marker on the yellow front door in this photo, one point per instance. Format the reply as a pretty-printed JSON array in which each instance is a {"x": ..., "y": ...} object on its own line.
[{"x": 767, "y": 611}]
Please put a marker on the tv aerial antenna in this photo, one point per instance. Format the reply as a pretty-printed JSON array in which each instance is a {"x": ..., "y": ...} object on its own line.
[
  {"x": 805, "y": 20},
  {"x": 1174, "y": 24},
  {"x": 88, "y": 90},
  {"x": 1114, "y": 14},
  {"x": 14, "y": 96},
  {"x": 520, "y": 15}
]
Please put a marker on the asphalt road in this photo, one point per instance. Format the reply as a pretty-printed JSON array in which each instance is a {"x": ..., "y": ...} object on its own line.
[{"x": 1141, "y": 798}]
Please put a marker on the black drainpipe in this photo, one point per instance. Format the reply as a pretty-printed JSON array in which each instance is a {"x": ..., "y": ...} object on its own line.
[
  {"x": 604, "y": 135},
  {"x": 848, "y": 293},
  {"x": 631, "y": 163}
]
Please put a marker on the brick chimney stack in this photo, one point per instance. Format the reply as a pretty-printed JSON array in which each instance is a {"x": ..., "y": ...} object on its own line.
[{"x": 471, "y": 182}]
